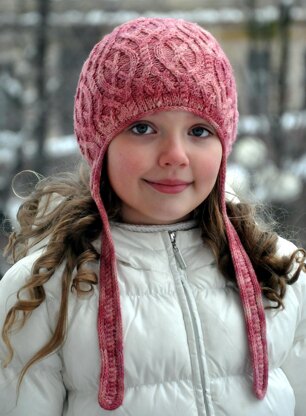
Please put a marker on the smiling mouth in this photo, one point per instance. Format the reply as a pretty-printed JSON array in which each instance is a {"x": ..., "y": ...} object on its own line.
[{"x": 169, "y": 186}]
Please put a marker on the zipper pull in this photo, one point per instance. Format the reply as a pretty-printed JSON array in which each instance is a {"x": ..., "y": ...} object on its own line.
[{"x": 177, "y": 253}]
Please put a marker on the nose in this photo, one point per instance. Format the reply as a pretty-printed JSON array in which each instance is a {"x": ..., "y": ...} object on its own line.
[{"x": 173, "y": 152}]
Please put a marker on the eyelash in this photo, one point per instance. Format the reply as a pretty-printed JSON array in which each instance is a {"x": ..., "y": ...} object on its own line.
[{"x": 208, "y": 132}]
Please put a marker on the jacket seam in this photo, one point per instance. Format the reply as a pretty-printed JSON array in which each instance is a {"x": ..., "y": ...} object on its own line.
[
  {"x": 147, "y": 294},
  {"x": 159, "y": 383}
]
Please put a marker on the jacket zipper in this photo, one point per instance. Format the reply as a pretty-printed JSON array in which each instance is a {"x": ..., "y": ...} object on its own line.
[
  {"x": 177, "y": 254},
  {"x": 182, "y": 265}
]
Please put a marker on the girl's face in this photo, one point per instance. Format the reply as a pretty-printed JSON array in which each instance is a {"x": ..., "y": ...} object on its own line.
[{"x": 163, "y": 166}]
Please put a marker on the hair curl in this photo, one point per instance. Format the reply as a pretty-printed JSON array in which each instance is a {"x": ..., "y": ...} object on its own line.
[{"x": 62, "y": 211}]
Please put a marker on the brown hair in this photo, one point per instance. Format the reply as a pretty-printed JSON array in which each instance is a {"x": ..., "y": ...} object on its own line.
[{"x": 62, "y": 211}]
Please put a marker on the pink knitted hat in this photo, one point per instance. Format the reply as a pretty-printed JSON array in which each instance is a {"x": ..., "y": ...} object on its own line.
[{"x": 143, "y": 66}]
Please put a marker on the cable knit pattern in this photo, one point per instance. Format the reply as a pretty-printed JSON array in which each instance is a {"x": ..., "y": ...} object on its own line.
[
  {"x": 151, "y": 64},
  {"x": 143, "y": 66}
]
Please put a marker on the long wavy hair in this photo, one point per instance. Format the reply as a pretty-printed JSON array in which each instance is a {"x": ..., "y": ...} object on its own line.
[{"x": 61, "y": 212}]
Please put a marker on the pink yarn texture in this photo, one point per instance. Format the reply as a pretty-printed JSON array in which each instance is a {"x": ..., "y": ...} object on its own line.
[{"x": 144, "y": 66}]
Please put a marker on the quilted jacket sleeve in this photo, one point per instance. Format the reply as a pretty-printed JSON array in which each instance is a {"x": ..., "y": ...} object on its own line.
[
  {"x": 42, "y": 391},
  {"x": 295, "y": 364}
]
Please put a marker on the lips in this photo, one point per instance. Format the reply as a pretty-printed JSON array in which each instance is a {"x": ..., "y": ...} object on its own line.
[{"x": 169, "y": 186}]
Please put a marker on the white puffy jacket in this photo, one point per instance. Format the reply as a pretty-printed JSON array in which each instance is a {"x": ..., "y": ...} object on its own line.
[{"x": 185, "y": 343}]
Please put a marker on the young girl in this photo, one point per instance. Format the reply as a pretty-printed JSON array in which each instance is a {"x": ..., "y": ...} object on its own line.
[{"x": 149, "y": 292}]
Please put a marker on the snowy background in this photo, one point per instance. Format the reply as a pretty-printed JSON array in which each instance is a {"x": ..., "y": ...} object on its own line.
[{"x": 43, "y": 44}]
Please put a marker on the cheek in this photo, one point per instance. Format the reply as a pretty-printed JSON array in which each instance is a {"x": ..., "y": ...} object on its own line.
[
  {"x": 214, "y": 164},
  {"x": 122, "y": 166},
  {"x": 211, "y": 161}
]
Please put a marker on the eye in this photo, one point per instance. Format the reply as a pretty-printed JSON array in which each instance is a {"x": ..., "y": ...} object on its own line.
[
  {"x": 142, "y": 129},
  {"x": 200, "y": 131}
]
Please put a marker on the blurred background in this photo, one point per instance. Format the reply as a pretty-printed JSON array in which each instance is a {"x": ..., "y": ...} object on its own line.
[{"x": 43, "y": 44}]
